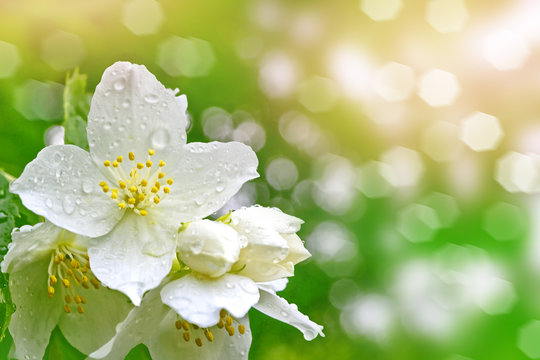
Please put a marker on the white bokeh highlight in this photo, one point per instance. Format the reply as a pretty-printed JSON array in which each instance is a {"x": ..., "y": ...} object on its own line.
[
  {"x": 481, "y": 132},
  {"x": 438, "y": 88}
]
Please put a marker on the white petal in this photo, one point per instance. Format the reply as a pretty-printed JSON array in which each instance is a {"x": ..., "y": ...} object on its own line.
[
  {"x": 297, "y": 250},
  {"x": 135, "y": 256},
  {"x": 103, "y": 310},
  {"x": 132, "y": 111},
  {"x": 37, "y": 314},
  {"x": 274, "y": 218},
  {"x": 199, "y": 299},
  {"x": 62, "y": 185},
  {"x": 274, "y": 286},
  {"x": 138, "y": 327},
  {"x": 206, "y": 176},
  {"x": 278, "y": 308},
  {"x": 29, "y": 244},
  {"x": 168, "y": 344}
]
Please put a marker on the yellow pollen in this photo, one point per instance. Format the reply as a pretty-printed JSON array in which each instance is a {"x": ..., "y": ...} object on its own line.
[
  {"x": 61, "y": 257},
  {"x": 114, "y": 196},
  {"x": 120, "y": 158},
  {"x": 170, "y": 181},
  {"x": 68, "y": 298},
  {"x": 241, "y": 329},
  {"x": 80, "y": 309},
  {"x": 148, "y": 163},
  {"x": 222, "y": 313},
  {"x": 230, "y": 330},
  {"x": 157, "y": 184},
  {"x": 161, "y": 175},
  {"x": 69, "y": 272},
  {"x": 107, "y": 163},
  {"x": 143, "y": 212},
  {"x": 67, "y": 309},
  {"x": 50, "y": 291},
  {"x": 65, "y": 282},
  {"x": 84, "y": 278},
  {"x": 52, "y": 280},
  {"x": 162, "y": 163},
  {"x": 185, "y": 325},
  {"x": 133, "y": 189},
  {"x": 209, "y": 335},
  {"x": 105, "y": 189},
  {"x": 198, "y": 341},
  {"x": 102, "y": 183},
  {"x": 115, "y": 163},
  {"x": 122, "y": 184},
  {"x": 122, "y": 205},
  {"x": 140, "y": 165},
  {"x": 178, "y": 324},
  {"x": 131, "y": 201},
  {"x": 228, "y": 321},
  {"x": 144, "y": 182},
  {"x": 115, "y": 190},
  {"x": 141, "y": 197},
  {"x": 95, "y": 283},
  {"x": 220, "y": 324},
  {"x": 166, "y": 190},
  {"x": 186, "y": 336},
  {"x": 77, "y": 299},
  {"x": 156, "y": 200},
  {"x": 154, "y": 189},
  {"x": 151, "y": 152},
  {"x": 83, "y": 300},
  {"x": 75, "y": 264},
  {"x": 131, "y": 156}
]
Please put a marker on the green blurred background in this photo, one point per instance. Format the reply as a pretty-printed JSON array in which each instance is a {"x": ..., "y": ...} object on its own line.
[{"x": 405, "y": 133}]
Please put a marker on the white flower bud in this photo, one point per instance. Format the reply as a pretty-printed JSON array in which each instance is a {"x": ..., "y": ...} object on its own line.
[{"x": 208, "y": 247}]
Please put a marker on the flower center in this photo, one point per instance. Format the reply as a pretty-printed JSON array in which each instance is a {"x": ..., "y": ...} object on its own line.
[
  {"x": 71, "y": 268},
  {"x": 143, "y": 188},
  {"x": 225, "y": 322}
]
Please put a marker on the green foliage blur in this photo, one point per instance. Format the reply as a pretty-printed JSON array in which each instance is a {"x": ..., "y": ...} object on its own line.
[{"x": 443, "y": 267}]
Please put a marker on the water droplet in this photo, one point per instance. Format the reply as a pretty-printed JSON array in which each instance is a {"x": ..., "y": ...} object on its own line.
[
  {"x": 143, "y": 126},
  {"x": 220, "y": 187},
  {"x": 151, "y": 98},
  {"x": 107, "y": 125},
  {"x": 3, "y": 217},
  {"x": 126, "y": 103},
  {"x": 49, "y": 203},
  {"x": 160, "y": 138},
  {"x": 68, "y": 204},
  {"x": 229, "y": 285},
  {"x": 119, "y": 84},
  {"x": 87, "y": 186},
  {"x": 284, "y": 314},
  {"x": 107, "y": 93}
]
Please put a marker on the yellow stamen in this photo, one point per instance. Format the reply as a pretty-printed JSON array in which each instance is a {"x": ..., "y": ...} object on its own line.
[
  {"x": 151, "y": 152},
  {"x": 178, "y": 324},
  {"x": 115, "y": 163},
  {"x": 222, "y": 313},
  {"x": 148, "y": 163},
  {"x": 84, "y": 278},
  {"x": 61, "y": 257},
  {"x": 185, "y": 325},
  {"x": 114, "y": 196},
  {"x": 107, "y": 163},
  {"x": 209, "y": 335},
  {"x": 122, "y": 205},
  {"x": 186, "y": 336},
  {"x": 102, "y": 183},
  {"x": 105, "y": 189},
  {"x": 75, "y": 264},
  {"x": 228, "y": 321},
  {"x": 50, "y": 291},
  {"x": 170, "y": 181},
  {"x": 144, "y": 182},
  {"x": 133, "y": 189},
  {"x": 154, "y": 189},
  {"x": 68, "y": 298},
  {"x": 157, "y": 184},
  {"x": 156, "y": 200},
  {"x": 131, "y": 201},
  {"x": 230, "y": 330},
  {"x": 220, "y": 324},
  {"x": 166, "y": 189},
  {"x": 143, "y": 212},
  {"x": 140, "y": 165},
  {"x": 241, "y": 329},
  {"x": 83, "y": 300},
  {"x": 120, "y": 158},
  {"x": 69, "y": 272},
  {"x": 95, "y": 283},
  {"x": 80, "y": 309},
  {"x": 131, "y": 156},
  {"x": 122, "y": 184},
  {"x": 77, "y": 299},
  {"x": 52, "y": 280},
  {"x": 161, "y": 175},
  {"x": 162, "y": 163},
  {"x": 67, "y": 309},
  {"x": 141, "y": 197},
  {"x": 198, "y": 341},
  {"x": 65, "y": 282}
]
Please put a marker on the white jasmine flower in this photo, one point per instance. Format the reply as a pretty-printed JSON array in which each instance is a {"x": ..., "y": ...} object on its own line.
[
  {"x": 139, "y": 181},
  {"x": 52, "y": 284},
  {"x": 168, "y": 337}
]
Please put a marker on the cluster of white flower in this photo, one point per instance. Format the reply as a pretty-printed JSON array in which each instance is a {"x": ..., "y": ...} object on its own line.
[{"x": 127, "y": 218}]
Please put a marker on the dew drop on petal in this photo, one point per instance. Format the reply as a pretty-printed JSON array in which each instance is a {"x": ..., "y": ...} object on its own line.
[
  {"x": 87, "y": 186},
  {"x": 151, "y": 98},
  {"x": 160, "y": 138},
  {"x": 119, "y": 84},
  {"x": 49, "y": 203},
  {"x": 68, "y": 204}
]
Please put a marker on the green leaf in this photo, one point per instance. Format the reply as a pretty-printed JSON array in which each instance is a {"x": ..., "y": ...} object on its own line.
[
  {"x": 60, "y": 349},
  {"x": 76, "y": 107},
  {"x": 7, "y": 308},
  {"x": 139, "y": 352}
]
